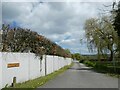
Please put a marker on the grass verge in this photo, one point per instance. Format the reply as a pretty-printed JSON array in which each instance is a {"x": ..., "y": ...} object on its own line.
[
  {"x": 103, "y": 68},
  {"x": 32, "y": 84}
]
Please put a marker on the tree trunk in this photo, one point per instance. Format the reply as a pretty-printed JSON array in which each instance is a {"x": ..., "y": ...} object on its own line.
[
  {"x": 111, "y": 55},
  {"x": 98, "y": 56},
  {"x": 119, "y": 46}
]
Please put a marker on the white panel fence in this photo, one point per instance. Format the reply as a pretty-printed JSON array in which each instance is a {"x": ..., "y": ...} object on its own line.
[{"x": 30, "y": 66}]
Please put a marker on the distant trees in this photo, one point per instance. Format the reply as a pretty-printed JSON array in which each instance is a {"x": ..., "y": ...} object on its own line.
[
  {"x": 24, "y": 40},
  {"x": 77, "y": 56}
]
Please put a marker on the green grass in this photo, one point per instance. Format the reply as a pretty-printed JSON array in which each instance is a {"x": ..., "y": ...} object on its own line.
[
  {"x": 105, "y": 68},
  {"x": 32, "y": 84}
]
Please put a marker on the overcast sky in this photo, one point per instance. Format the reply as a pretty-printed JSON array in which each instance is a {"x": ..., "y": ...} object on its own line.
[{"x": 61, "y": 22}]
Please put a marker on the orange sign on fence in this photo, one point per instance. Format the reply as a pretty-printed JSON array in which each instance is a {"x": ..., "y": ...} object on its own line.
[{"x": 10, "y": 65}]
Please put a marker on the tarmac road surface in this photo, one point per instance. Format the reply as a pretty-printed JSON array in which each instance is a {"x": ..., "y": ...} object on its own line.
[{"x": 80, "y": 76}]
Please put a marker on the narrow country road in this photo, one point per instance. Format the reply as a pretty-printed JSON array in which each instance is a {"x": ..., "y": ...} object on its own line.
[{"x": 80, "y": 76}]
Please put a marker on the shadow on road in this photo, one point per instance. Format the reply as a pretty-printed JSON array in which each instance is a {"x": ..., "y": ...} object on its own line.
[
  {"x": 80, "y": 76},
  {"x": 81, "y": 68}
]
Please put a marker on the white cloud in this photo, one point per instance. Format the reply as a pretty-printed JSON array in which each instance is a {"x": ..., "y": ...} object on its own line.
[
  {"x": 0, "y": 14},
  {"x": 59, "y": 0},
  {"x": 20, "y": 0},
  {"x": 62, "y": 22}
]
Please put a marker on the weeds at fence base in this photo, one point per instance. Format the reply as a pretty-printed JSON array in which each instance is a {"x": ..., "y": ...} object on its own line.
[{"x": 32, "y": 84}]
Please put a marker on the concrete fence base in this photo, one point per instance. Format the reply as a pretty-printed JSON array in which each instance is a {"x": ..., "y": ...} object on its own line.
[{"x": 27, "y": 66}]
